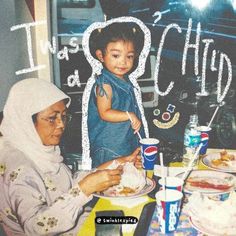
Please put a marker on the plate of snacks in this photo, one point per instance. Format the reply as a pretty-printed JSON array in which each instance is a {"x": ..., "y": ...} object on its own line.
[
  {"x": 134, "y": 183},
  {"x": 209, "y": 182},
  {"x": 222, "y": 161}
]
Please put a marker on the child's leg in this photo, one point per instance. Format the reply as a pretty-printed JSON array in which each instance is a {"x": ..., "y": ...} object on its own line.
[{"x": 103, "y": 155}]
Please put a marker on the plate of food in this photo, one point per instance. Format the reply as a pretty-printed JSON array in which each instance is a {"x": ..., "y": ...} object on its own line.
[
  {"x": 134, "y": 183},
  {"x": 209, "y": 182},
  {"x": 222, "y": 161},
  {"x": 210, "y": 217}
]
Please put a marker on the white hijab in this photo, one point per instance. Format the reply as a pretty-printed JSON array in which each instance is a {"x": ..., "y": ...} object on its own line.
[{"x": 26, "y": 98}]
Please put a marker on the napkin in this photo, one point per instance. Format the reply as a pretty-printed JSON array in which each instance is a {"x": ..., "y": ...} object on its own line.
[
  {"x": 129, "y": 202},
  {"x": 168, "y": 171}
]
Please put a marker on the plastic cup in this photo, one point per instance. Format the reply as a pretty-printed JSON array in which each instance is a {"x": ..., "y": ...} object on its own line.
[
  {"x": 168, "y": 209},
  {"x": 149, "y": 150},
  {"x": 173, "y": 183},
  {"x": 204, "y": 138}
]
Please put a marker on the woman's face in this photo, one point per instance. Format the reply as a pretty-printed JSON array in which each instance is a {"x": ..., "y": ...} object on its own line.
[{"x": 50, "y": 123}]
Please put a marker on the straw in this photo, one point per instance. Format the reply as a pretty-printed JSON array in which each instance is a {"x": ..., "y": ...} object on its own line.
[
  {"x": 213, "y": 116},
  {"x": 162, "y": 174},
  {"x": 190, "y": 165},
  {"x": 132, "y": 122}
]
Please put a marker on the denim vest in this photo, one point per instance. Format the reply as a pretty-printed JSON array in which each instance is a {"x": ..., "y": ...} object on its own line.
[{"x": 110, "y": 140}]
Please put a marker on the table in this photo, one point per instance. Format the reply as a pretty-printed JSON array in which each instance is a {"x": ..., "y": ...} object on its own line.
[{"x": 88, "y": 228}]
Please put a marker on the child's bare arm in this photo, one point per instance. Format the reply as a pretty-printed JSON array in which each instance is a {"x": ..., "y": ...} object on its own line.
[
  {"x": 108, "y": 114},
  {"x": 104, "y": 107}
]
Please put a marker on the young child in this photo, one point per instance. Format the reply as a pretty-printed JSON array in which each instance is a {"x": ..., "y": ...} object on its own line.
[{"x": 111, "y": 132}]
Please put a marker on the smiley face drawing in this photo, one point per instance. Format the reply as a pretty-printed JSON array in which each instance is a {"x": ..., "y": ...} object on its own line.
[{"x": 166, "y": 116}]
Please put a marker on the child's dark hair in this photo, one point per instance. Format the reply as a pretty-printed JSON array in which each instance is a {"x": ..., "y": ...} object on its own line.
[{"x": 127, "y": 32}]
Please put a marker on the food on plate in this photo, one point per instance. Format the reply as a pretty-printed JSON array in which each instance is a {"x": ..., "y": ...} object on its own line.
[
  {"x": 224, "y": 156},
  {"x": 226, "y": 159},
  {"x": 127, "y": 190},
  {"x": 132, "y": 177},
  {"x": 213, "y": 217},
  {"x": 132, "y": 181},
  {"x": 209, "y": 183}
]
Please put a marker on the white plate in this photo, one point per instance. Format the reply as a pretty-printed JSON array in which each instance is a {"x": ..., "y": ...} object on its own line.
[
  {"x": 109, "y": 194},
  {"x": 210, "y": 175},
  {"x": 200, "y": 227},
  {"x": 197, "y": 225},
  {"x": 207, "y": 161}
]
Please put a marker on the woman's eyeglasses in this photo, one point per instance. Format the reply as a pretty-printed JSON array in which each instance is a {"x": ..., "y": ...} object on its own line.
[{"x": 65, "y": 119}]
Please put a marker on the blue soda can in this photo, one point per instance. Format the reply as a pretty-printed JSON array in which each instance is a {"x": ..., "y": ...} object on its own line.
[{"x": 204, "y": 138}]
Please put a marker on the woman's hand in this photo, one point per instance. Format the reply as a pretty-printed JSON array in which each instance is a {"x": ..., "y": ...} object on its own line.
[
  {"x": 134, "y": 157},
  {"x": 135, "y": 123},
  {"x": 138, "y": 162},
  {"x": 100, "y": 180}
]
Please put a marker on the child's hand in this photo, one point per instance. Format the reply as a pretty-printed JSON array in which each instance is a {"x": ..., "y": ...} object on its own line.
[{"x": 136, "y": 123}]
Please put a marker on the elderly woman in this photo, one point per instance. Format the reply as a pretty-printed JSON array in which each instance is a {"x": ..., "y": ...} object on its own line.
[{"x": 38, "y": 194}]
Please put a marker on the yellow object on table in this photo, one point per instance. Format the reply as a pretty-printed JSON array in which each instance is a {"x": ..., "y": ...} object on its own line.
[
  {"x": 200, "y": 165},
  {"x": 88, "y": 227}
]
